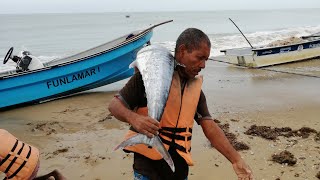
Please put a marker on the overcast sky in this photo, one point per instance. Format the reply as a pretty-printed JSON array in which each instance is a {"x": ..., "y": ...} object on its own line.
[{"x": 75, "y": 6}]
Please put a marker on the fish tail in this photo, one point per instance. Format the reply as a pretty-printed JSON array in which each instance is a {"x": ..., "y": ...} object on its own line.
[{"x": 136, "y": 139}]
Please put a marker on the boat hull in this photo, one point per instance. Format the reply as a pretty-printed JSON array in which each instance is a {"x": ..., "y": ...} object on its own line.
[
  {"x": 274, "y": 55},
  {"x": 63, "y": 79}
]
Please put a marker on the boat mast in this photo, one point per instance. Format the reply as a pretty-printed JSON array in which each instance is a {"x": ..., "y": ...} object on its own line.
[{"x": 241, "y": 32}]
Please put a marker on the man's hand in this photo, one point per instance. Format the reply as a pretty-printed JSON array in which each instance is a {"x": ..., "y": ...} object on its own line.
[
  {"x": 242, "y": 170},
  {"x": 145, "y": 125}
]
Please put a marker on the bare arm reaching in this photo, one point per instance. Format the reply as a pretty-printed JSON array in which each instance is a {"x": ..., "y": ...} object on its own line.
[{"x": 217, "y": 138}]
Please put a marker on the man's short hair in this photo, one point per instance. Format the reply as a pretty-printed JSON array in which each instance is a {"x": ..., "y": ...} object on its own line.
[{"x": 192, "y": 38}]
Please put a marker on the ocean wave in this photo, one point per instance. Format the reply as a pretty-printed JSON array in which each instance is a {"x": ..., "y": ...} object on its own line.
[
  {"x": 257, "y": 39},
  {"x": 219, "y": 41}
]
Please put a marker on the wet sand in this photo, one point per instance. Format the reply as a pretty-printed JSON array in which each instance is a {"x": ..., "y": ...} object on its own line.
[{"x": 77, "y": 134}]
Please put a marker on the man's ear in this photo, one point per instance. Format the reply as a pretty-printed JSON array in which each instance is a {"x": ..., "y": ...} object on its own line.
[{"x": 182, "y": 49}]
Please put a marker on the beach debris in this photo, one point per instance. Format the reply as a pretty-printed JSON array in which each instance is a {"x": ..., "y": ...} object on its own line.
[
  {"x": 109, "y": 116},
  {"x": 284, "y": 157},
  {"x": 102, "y": 157},
  {"x": 266, "y": 132},
  {"x": 239, "y": 146},
  {"x": 318, "y": 175},
  {"x": 59, "y": 151},
  {"x": 302, "y": 158},
  {"x": 234, "y": 120},
  {"x": 303, "y": 132},
  {"x": 126, "y": 156},
  {"x": 270, "y": 133},
  {"x": 217, "y": 121},
  {"x": 156, "y": 65},
  {"x": 317, "y": 137},
  {"x": 86, "y": 156},
  {"x": 69, "y": 109},
  {"x": 47, "y": 127}
]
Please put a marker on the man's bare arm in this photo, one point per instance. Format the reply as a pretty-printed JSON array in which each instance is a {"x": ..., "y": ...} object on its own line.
[{"x": 217, "y": 138}]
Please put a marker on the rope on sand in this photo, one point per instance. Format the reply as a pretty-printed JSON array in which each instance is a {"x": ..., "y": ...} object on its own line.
[{"x": 266, "y": 69}]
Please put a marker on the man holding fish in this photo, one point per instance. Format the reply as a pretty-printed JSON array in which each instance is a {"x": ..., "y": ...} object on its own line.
[{"x": 161, "y": 102}]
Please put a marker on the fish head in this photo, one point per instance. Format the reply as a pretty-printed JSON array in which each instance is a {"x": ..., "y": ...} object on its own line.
[{"x": 194, "y": 60}]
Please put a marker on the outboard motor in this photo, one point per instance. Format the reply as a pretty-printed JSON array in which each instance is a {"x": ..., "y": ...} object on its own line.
[{"x": 25, "y": 61}]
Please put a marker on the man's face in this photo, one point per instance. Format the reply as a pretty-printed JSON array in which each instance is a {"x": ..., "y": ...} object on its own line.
[{"x": 194, "y": 60}]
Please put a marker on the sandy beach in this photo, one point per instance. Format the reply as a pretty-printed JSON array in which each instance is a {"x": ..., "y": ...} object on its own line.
[{"x": 77, "y": 134}]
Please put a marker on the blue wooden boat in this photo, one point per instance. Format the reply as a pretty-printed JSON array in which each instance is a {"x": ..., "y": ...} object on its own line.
[{"x": 90, "y": 69}]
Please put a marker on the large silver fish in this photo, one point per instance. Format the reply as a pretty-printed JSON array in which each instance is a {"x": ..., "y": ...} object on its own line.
[{"x": 156, "y": 65}]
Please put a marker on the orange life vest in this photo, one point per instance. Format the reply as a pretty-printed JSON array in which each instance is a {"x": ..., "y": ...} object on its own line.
[
  {"x": 176, "y": 122},
  {"x": 18, "y": 160}
]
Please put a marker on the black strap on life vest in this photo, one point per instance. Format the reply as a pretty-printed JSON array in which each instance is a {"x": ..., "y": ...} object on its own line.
[
  {"x": 12, "y": 150},
  {"x": 176, "y": 129},
  {"x": 171, "y": 133},
  {"x": 22, "y": 165},
  {"x": 14, "y": 160},
  {"x": 174, "y": 145},
  {"x": 174, "y": 136}
]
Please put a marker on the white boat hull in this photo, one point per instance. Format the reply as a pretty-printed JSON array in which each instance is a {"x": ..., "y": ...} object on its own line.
[{"x": 273, "y": 55}]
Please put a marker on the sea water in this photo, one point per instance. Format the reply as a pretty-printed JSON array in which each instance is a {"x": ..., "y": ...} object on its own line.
[{"x": 51, "y": 36}]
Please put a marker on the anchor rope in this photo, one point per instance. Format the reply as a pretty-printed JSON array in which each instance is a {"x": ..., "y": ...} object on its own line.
[{"x": 267, "y": 69}]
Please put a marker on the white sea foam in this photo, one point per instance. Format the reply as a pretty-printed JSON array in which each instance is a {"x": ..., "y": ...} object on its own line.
[{"x": 257, "y": 39}]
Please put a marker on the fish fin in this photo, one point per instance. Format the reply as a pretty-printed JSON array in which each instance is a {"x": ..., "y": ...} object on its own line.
[
  {"x": 157, "y": 143},
  {"x": 136, "y": 139},
  {"x": 133, "y": 64}
]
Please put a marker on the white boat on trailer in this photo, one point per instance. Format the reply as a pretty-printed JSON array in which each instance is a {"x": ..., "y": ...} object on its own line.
[{"x": 308, "y": 48}]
